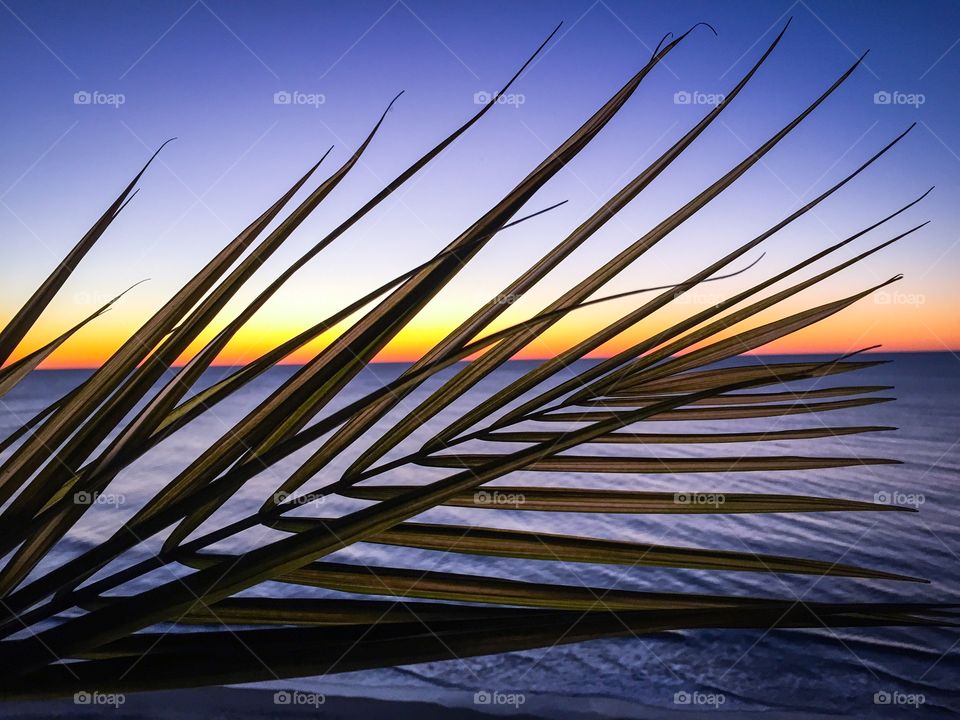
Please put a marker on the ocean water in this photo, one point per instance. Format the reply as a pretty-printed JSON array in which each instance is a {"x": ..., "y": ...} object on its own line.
[{"x": 889, "y": 672}]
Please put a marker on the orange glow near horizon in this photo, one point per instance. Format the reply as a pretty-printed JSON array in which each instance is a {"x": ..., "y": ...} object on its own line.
[
  {"x": 230, "y": 165},
  {"x": 860, "y": 326}
]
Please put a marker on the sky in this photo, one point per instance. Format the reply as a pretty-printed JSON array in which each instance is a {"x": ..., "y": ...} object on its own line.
[{"x": 92, "y": 88}]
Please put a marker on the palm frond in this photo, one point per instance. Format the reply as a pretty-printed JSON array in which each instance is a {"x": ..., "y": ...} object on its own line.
[{"x": 69, "y": 624}]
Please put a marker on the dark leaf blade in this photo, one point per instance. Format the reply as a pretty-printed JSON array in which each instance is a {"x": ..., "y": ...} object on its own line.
[
  {"x": 27, "y": 315},
  {"x": 608, "y": 464},
  {"x": 627, "y": 438},
  {"x": 683, "y": 502},
  {"x": 487, "y": 542},
  {"x": 740, "y": 412},
  {"x": 610, "y": 270},
  {"x": 486, "y": 314}
]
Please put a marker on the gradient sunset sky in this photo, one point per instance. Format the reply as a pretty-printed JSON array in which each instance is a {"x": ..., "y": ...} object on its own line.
[{"x": 208, "y": 71}]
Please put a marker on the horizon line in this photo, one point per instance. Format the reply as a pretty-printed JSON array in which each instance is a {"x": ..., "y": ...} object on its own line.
[{"x": 878, "y": 351}]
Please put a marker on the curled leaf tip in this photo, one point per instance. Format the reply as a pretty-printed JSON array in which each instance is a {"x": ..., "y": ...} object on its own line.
[
  {"x": 706, "y": 25},
  {"x": 162, "y": 146},
  {"x": 662, "y": 41}
]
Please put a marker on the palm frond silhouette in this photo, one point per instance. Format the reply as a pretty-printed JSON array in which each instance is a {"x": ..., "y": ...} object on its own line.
[{"x": 77, "y": 625}]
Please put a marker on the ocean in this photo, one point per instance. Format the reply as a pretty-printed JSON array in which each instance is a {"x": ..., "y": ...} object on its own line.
[{"x": 856, "y": 672}]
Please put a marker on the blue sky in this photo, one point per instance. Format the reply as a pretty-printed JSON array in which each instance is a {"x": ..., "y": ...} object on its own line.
[{"x": 208, "y": 72}]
